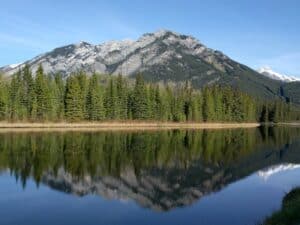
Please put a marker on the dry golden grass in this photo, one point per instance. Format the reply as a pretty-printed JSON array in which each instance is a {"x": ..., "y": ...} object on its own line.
[{"x": 107, "y": 126}]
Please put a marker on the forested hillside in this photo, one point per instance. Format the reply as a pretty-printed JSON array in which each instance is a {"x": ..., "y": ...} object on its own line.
[{"x": 42, "y": 97}]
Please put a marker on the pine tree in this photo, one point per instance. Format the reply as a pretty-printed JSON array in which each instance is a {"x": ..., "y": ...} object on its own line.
[
  {"x": 178, "y": 107},
  {"x": 249, "y": 109},
  {"x": 111, "y": 101},
  {"x": 122, "y": 97},
  {"x": 4, "y": 99},
  {"x": 187, "y": 95},
  {"x": 140, "y": 103},
  {"x": 83, "y": 83},
  {"x": 218, "y": 103},
  {"x": 237, "y": 107},
  {"x": 94, "y": 102},
  {"x": 199, "y": 99},
  {"x": 60, "y": 92},
  {"x": 151, "y": 102},
  {"x": 208, "y": 105},
  {"x": 29, "y": 92},
  {"x": 43, "y": 96},
  {"x": 159, "y": 108},
  {"x": 264, "y": 114},
  {"x": 54, "y": 99},
  {"x": 16, "y": 108},
  {"x": 73, "y": 100},
  {"x": 167, "y": 102},
  {"x": 196, "y": 107},
  {"x": 228, "y": 103}
]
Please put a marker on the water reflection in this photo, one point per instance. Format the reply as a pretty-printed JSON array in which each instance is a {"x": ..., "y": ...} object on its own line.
[{"x": 160, "y": 170}]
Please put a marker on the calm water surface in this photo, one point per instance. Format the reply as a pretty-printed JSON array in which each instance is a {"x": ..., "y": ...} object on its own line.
[{"x": 155, "y": 177}]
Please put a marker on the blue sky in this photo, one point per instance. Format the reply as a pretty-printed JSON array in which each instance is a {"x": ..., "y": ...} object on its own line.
[{"x": 254, "y": 32}]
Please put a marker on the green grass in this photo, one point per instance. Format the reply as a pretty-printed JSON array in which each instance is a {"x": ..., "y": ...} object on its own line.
[{"x": 290, "y": 211}]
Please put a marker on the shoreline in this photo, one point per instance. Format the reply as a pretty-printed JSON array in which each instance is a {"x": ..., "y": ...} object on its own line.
[
  {"x": 107, "y": 126},
  {"x": 123, "y": 126}
]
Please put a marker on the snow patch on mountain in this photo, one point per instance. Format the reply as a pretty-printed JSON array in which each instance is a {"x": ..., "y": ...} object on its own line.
[
  {"x": 268, "y": 72},
  {"x": 15, "y": 65}
]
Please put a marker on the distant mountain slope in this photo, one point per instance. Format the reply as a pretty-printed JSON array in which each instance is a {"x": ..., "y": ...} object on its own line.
[
  {"x": 268, "y": 72},
  {"x": 292, "y": 92},
  {"x": 160, "y": 56}
]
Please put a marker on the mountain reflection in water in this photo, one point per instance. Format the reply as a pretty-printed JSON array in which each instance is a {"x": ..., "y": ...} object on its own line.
[{"x": 160, "y": 170}]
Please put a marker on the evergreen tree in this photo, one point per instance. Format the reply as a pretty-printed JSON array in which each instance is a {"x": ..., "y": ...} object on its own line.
[
  {"x": 59, "y": 95},
  {"x": 122, "y": 98},
  {"x": 249, "y": 109},
  {"x": 140, "y": 103},
  {"x": 73, "y": 100},
  {"x": 237, "y": 107},
  {"x": 228, "y": 102},
  {"x": 83, "y": 83},
  {"x": 54, "y": 97},
  {"x": 218, "y": 103},
  {"x": 151, "y": 102},
  {"x": 196, "y": 108},
  {"x": 167, "y": 101},
  {"x": 111, "y": 101},
  {"x": 4, "y": 100},
  {"x": 264, "y": 114},
  {"x": 187, "y": 93},
  {"x": 29, "y": 99},
  {"x": 208, "y": 105},
  {"x": 159, "y": 108},
  {"x": 43, "y": 96},
  {"x": 94, "y": 102},
  {"x": 16, "y": 108}
]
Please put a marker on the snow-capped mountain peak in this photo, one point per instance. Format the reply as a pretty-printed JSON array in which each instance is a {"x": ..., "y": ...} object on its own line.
[{"x": 268, "y": 72}]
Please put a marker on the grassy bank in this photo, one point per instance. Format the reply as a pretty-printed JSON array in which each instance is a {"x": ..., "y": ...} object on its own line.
[
  {"x": 4, "y": 126},
  {"x": 290, "y": 211}
]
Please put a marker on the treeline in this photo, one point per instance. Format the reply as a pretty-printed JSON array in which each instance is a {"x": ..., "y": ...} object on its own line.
[{"x": 80, "y": 97}]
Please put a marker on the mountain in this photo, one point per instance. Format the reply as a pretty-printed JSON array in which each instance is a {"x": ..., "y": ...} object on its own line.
[
  {"x": 291, "y": 91},
  {"x": 268, "y": 72},
  {"x": 160, "y": 56}
]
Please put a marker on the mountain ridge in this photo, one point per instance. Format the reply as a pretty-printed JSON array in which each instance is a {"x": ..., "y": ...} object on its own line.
[{"x": 160, "y": 56}]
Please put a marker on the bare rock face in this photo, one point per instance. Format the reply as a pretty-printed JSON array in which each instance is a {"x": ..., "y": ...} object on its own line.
[{"x": 126, "y": 57}]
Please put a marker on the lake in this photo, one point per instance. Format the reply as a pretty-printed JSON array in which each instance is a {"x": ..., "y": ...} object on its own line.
[{"x": 234, "y": 176}]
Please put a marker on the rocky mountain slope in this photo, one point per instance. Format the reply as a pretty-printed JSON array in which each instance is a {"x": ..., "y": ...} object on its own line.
[{"x": 160, "y": 56}]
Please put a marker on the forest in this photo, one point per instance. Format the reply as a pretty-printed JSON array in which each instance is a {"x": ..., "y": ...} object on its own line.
[{"x": 40, "y": 97}]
